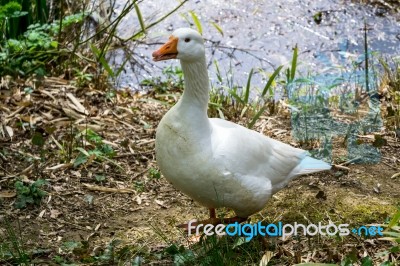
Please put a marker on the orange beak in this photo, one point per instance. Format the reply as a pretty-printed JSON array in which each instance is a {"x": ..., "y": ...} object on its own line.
[{"x": 168, "y": 51}]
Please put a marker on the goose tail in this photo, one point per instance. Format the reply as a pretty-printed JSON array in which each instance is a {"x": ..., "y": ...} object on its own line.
[{"x": 309, "y": 165}]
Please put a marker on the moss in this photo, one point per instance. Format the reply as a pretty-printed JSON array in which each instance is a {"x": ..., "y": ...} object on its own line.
[
  {"x": 368, "y": 211},
  {"x": 343, "y": 207}
]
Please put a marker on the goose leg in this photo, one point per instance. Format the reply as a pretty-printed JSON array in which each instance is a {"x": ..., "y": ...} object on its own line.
[
  {"x": 212, "y": 213},
  {"x": 212, "y": 220}
]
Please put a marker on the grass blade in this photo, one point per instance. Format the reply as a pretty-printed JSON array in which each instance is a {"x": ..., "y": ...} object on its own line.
[
  {"x": 219, "y": 77},
  {"x": 140, "y": 18},
  {"x": 237, "y": 98},
  {"x": 102, "y": 60},
  {"x": 255, "y": 118},
  {"x": 196, "y": 22},
  {"x": 218, "y": 27},
  {"x": 294, "y": 63},
  {"x": 247, "y": 91},
  {"x": 270, "y": 81},
  {"x": 395, "y": 220}
]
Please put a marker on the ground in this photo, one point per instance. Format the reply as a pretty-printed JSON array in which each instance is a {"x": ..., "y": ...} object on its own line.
[{"x": 95, "y": 196}]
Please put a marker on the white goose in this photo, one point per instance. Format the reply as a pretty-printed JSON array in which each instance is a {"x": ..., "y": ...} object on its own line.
[{"x": 216, "y": 162}]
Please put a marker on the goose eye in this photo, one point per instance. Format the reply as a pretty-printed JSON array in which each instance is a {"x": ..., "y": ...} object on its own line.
[{"x": 187, "y": 39}]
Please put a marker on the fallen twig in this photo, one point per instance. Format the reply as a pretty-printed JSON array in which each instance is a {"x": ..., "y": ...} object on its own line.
[{"x": 108, "y": 189}]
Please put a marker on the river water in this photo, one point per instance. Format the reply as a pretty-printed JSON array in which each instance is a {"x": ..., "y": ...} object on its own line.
[{"x": 261, "y": 34}]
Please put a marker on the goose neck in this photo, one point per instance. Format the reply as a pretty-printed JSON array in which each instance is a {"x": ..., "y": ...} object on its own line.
[{"x": 196, "y": 83}]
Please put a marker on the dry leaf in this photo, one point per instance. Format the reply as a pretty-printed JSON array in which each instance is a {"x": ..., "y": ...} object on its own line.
[
  {"x": 71, "y": 113},
  {"x": 266, "y": 258},
  {"x": 161, "y": 203},
  {"x": 108, "y": 189},
  {"x": 395, "y": 175},
  {"x": 54, "y": 214},
  {"x": 42, "y": 213},
  {"x": 138, "y": 199},
  {"x": 77, "y": 105},
  {"x": 59, "y": 166},
  {"x": 7, "y": 194},
  {"x": 9, "y": 131}
]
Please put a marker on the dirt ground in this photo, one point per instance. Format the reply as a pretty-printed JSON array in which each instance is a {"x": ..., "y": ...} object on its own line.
[{"x": 124, "y": 197}]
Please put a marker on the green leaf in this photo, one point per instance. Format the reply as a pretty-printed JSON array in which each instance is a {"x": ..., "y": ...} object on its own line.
[
  {"x": 40, "y": 182},
  {"x": 9, "y": 9},
  {"x": 196, "y": 22},
  {"x": 395, "y": 249},
  {"x": 394, "y": 234},
  {"x": 71, "y": 245},
  {"x": 172, "y": 249},
  {"x": 239, "y": 241},
  {"x": 102, "y": 60},
  {"x": 305, "y": 81},
  {"x": 92, "y": 136},
  {"x": 140, "y": 18},
  {"x": 83, "y": 151},
  {"x": 270, "y": 81},
  {"x": 366, "y": 261},
  {"x": 294, "y": 63},
  {"x": 99, "y": 178},
  {"x": 219, "y": 29},
  {"x": 256, "y": 117},
  {"x": 395, "y": 220},
  {"x": 81, "y": 159},
  {"x": 37, "y": 139},
  {"x": 20, "y": 203},
  {"x": 247, "y": 91},
  {"x": 54, "y": 44},
  {"x": 234, "y": 95},
  {"x": 183, "y": 257},
  {"x": 218, "y": 71},
  {"x": 107, "y": 150}
]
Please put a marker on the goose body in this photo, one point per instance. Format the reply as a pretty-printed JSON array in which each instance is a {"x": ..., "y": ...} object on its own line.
[{"x": 216, "y": 162}]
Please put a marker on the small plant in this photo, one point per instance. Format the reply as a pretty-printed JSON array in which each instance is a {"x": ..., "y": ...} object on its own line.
[
  {"x": 11, "y": 246},
  {"x": 154, "y": 173},
  {"x": 112, "y": 254},
  {"x": 82, "y": 79},
  {"x": 213, "y": 250},
  {"x": 181, "y": 255},
  {"x": 36, "y": 50},
  {"x": 393, "y": 230},
  {"x": 29, "y": 194},
  {"x": 100, "y": 178},
  {"x": 237, "y": 101},
  {"x": 101, "y": 151},
  {"x": 173, "y": 81}
]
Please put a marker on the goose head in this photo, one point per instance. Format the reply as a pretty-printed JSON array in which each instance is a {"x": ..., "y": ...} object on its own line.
[{"x": 184, "y": 44}]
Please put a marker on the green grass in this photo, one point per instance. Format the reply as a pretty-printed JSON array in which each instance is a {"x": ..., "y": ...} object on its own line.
[{"x": 12, "y": 250}]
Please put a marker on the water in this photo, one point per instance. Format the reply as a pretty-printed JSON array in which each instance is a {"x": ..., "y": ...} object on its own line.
[{"x": 261, "y": 35}]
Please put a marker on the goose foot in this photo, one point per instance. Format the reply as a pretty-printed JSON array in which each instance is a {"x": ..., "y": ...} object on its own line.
[{"x": 192, "y": 225}]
